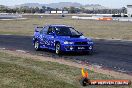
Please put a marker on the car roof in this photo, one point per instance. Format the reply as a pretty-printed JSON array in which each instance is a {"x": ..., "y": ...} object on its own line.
[{"x": 59, "y": 25}]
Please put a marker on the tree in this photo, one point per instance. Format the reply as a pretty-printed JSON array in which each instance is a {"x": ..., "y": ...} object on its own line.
[
  {"x": 65, "y": 9},
  {"x": 124, "y": 10},
  {"x": 32, "y": 10},
  {"x": 3, "y": 8},
  {"x": 17, "y": 10},
  {"x": 49, "y": 8},
  {"x": 37, "y": 10},
  {"x": 72, "y": 9},
  {"x": 57, "y": 9},
  {"x": 43, "y": 9},
  {"x": 23, "y": 9},
  {"x": 82, "y": 9}
]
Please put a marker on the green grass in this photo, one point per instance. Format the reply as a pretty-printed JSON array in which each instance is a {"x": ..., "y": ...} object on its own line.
[
  {"x": 17, "y": 72},
  {"x": 91, "y": 28}
]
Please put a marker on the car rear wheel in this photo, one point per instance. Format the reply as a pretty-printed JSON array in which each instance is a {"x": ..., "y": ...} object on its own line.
[
  {"x": 58, "y": 49},
  {"x": 36, "y": 46}
]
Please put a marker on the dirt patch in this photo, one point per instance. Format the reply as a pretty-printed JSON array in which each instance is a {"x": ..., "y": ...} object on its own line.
[{"x": 70, "y": 63}]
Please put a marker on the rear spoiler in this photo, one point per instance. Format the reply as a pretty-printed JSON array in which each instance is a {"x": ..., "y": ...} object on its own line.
[{"x": 38, "y": 28}]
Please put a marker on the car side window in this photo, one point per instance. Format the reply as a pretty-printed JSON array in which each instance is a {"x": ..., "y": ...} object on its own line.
[
  {"x": 44, "y": 30},
  {"x": 50, "y": 30},
  {"x": 41, "y": 32}
]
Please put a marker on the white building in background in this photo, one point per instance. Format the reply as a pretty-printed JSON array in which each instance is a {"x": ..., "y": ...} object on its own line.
[
  {"x": 53, "y": 12},
  {"x": 65, "y": 12},
  {"x": 59, "y": 12},
  {"x": 47, "y": 12},
  {"x": 9, "y": 16},
  {"x": 129, "y": 10}
]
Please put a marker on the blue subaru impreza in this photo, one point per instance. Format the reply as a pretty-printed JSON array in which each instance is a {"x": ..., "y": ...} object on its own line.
[{"x": 61, "y": 38}]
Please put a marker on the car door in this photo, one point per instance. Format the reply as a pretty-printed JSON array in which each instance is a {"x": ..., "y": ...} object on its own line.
[
  {"x": 42, "y": 36},
  {"x": 50, "y": 38}
]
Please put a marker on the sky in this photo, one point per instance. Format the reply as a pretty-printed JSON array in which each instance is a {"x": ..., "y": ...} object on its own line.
[{"x": 106, "y": 3}]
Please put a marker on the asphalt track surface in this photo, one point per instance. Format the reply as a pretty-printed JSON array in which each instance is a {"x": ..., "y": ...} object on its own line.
[{"x": 111, "y": 54}]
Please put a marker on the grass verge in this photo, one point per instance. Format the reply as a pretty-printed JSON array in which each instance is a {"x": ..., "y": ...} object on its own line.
[
  {"x": 91, "y": 28},
  {"x": 18, "y": 72}
]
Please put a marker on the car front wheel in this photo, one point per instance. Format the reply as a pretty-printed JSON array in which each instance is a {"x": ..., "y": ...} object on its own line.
[{"x": 36, "y": 45}]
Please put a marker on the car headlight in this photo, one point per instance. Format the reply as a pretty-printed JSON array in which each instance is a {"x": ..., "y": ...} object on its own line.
[
  {"x": 90, "y": 42},
  {"x": 66, "y": 42}
]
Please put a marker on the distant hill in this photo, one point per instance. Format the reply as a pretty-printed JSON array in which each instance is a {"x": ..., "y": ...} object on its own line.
[
  {"x": 94, "y": 6},
  {"x": 52, "y": 5},
  {"x": 29, "y": 5},
  {"x": 63, "y": 4}
]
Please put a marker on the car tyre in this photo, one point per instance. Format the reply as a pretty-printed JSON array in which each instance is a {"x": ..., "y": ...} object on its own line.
[
  {"x": 58, "y": 49},
  {"x": 36, "y": 46}
]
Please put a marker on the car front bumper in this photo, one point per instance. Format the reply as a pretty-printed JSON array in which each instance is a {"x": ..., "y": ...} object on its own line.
[{"x": 76, "y": 48}]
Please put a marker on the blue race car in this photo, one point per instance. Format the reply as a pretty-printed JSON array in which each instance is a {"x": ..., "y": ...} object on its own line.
[{"x": 61, "y": 38}]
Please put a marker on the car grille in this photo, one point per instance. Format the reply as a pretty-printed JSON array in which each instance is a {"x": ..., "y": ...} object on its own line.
[{"x": 80, "y": 43}]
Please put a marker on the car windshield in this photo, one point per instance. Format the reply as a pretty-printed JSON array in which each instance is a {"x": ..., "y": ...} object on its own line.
[{"x": 66, "y": 31}]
